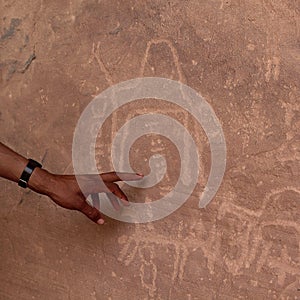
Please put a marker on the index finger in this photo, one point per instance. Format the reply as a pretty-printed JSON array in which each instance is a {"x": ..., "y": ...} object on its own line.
[{"x": 120, "y": 176}]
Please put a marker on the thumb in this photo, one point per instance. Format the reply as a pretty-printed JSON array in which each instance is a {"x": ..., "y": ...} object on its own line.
[{"x": 91, "y": 212}]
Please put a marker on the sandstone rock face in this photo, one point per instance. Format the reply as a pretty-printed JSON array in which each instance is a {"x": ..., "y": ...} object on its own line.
[{"x": 243, "y": 58}]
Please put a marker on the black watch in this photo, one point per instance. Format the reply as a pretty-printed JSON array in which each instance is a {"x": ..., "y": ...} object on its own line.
[{"x": 32, "y": 164}]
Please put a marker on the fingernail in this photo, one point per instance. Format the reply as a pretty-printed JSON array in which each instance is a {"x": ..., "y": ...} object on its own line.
[
  {"x": 139, "y": 174},
  {"x": 100, "y": 221}
]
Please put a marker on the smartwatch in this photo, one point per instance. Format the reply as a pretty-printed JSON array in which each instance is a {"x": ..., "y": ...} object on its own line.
[{"x": 32, "y": 164}]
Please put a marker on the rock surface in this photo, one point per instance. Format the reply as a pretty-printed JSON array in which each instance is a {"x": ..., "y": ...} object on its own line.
[{"x": 243, "y": 57}]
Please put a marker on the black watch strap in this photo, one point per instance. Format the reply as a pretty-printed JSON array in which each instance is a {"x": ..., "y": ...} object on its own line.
[{"x": 32, "y": 164}]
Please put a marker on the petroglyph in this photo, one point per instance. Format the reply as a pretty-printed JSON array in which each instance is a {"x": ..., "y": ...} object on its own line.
[
  {"x": 272, "y": 53},
  {"x": 253, "y": 249},
  {"x": 244, "y": 57},
  {"x": 95, "y": 54},
  {"x": 148, "y": 266},
  {"x": 174, "y": 54},
  {"x": 181, "y": 77},
  {"x": 257, "y": 250},
  {"x": 145, "y": 240}
]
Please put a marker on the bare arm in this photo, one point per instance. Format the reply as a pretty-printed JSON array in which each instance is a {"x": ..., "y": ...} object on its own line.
[
  {"x": 63, "y": 189},
  {"x": 12, "y": 165}
]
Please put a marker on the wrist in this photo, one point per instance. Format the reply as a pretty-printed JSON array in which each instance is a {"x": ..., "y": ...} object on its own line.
[{"x": 41, "y": 181}]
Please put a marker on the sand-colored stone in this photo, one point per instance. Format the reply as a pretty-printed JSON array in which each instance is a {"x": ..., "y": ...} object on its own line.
[{"x": 243, "y": 57}]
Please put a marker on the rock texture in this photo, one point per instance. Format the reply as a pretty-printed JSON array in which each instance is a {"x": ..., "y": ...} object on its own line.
[{"x": 243, "y": 57}]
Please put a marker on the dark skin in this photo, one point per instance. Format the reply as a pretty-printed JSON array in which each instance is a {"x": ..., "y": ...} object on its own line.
[{"x": 64, "y": 189}]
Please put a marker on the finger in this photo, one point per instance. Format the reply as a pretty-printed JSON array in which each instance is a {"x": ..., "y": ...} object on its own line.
[
  {"x": 91, "y": 212},
  {"x": 115, "y": 189},
  {"x": 119, "y": 176},
  {"x": 114, "y": 201},
  {"x": 96, "y": 200}
]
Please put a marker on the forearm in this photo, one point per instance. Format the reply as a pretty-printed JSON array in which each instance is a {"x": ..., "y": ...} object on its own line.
[{"x": 12, "y": 165}]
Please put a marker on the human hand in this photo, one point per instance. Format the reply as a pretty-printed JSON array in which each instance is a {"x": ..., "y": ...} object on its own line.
[{"x": 65, "y": 191}]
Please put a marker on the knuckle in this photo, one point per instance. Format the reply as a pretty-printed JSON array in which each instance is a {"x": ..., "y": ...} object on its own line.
[{"x": 93, "y": 214}]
